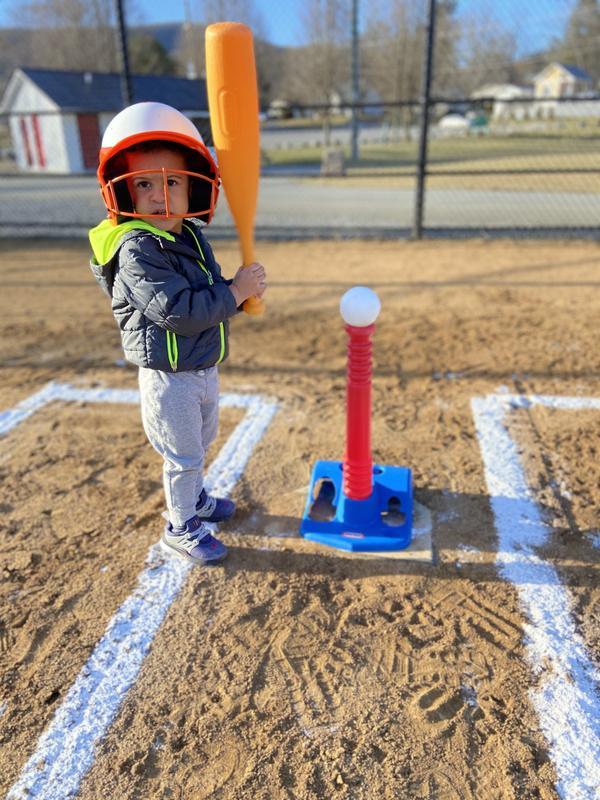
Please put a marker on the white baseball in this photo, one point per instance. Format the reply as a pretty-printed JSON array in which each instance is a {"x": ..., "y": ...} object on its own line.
[{"x": 360, "y": 306}]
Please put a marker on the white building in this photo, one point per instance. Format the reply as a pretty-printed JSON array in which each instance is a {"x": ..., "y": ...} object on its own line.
[
  {"x": 506, "y": 97},
  {"x": 569, "y": 91},
  {"x": 562, "y": 80},
  {"x": 57, "y": 118}
]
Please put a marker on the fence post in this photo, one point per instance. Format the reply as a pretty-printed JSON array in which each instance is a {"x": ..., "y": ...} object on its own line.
[
  {"x": 355, "y": 82},
  {"x": 424, "y": 102},
  {"x": 126, "y": 93}
]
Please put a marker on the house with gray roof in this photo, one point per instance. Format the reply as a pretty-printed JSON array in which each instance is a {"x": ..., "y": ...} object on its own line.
[
  {"x": 565, "y": 90},
  {"x": 57, "y": 118}
]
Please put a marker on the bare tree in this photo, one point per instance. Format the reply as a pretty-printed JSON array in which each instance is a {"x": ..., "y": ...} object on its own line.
[
  {"x": 243, "y": 11},
  {"x": 80, "y": 35},
  {"x": 389, "y": 49},
  {"x": 487, "y": 52},
  {"x": 391, "y": 54},
  {"x": 270, "y": 66},
  {"x": 446, "y": 71},
  {"x": 190, "y": 52},
  {"x": 326, "y": 25},
  {"x": 199, "y": 15},
  {"x": 321, "y": 68},
  {"x": 580, "y": 44},
  {"x": 69, "y": 34}
]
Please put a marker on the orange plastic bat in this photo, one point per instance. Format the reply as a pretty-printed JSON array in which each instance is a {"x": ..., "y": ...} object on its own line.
[{"x": 233, "y": 107}]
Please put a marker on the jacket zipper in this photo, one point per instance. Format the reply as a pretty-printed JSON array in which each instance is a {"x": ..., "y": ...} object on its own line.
[
  {"x": 172, "y": 347},
  {"x": 210, "y": 283}
]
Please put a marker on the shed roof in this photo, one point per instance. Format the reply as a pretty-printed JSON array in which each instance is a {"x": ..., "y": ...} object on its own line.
[{"x": 101, "y": 91}]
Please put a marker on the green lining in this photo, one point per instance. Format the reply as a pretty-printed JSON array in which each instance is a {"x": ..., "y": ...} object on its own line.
[{"x": 172, "y": 350}]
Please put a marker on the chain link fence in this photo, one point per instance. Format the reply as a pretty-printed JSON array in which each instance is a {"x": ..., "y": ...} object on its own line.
[{"x": 507, "y": 158}]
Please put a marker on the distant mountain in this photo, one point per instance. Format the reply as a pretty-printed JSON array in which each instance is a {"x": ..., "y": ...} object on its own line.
[{"x": 17, "y": 46}]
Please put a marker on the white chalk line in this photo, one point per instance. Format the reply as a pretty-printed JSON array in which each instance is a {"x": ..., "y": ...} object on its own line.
[
  {"x": 65, "y": 751},
  {"x": 565, "y": 701},
  {"x": 566, "y": 698}
]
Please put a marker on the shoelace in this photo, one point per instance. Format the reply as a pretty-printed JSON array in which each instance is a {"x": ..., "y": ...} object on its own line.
[
  {"x": 208, "y": 506},
  {"x": 199, "y": 535}
]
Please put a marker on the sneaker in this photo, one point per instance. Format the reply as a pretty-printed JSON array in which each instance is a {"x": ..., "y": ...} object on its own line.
[
  {"x": 195, "y": 542},
  {"x": 214, "y": 509}
]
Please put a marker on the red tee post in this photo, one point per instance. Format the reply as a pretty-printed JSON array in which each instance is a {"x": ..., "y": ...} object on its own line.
[{"x": 358, "y": 463}]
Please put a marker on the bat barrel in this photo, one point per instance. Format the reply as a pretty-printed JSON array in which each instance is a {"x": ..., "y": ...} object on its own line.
[{"x": 233, "y": 105}]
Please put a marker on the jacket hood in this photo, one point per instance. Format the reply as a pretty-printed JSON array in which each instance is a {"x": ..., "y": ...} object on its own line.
[{"x": 106, "y": 238}]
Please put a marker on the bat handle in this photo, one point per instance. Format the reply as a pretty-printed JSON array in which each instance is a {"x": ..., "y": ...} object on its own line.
[{"x": 253, "y": 305}]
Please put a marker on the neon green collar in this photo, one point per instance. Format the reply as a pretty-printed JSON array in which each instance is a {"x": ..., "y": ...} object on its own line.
[{"x": 106, "y": 237}]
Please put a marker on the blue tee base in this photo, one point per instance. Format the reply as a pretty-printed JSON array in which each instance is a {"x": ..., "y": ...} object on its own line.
[{"x": 379, "y": 523}]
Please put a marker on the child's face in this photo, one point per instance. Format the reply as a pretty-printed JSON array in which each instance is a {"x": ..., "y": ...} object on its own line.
[{"x": 147, "y": 188}]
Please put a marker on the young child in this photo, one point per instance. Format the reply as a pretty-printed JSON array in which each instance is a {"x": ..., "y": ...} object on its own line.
[{"x": 160, "y": 184}]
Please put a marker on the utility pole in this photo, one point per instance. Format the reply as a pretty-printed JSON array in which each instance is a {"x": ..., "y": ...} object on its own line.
[
  {"x": 355, "y": 82},
  {"x": 190, "y": 67},
  {"x": 424, "y": 125},
  {"x": 126, "y": 92}
]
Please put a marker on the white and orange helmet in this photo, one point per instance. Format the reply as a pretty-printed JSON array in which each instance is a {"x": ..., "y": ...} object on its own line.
[{"x": 144, "y": 122}]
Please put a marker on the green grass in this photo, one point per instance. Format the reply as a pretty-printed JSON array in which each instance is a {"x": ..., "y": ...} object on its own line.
[
  {"x": 512, "y": 163},
  {"x": 449, "y": 153},
  {"x": 305, "y": 122}
]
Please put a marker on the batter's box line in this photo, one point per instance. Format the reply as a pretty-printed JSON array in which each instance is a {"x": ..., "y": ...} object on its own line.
[
  {"x": 65, "y": 751},
  {"x": 566, "y": 697},
  {"x": 66, "y": 392}
]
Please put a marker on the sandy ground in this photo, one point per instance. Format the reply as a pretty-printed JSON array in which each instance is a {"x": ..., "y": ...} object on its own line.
[{"x": 291, "y": 672}]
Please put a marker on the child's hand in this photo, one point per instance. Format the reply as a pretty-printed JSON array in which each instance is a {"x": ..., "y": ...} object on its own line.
[{"x": 249, "y": 281}]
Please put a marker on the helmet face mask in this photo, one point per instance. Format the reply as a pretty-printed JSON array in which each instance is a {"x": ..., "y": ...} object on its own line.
[
  {"x": 146, "y": 128},
  {"x": 202, "y": 194}
]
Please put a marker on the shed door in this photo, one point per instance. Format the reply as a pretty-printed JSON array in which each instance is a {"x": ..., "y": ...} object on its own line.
[
  {"x": 89, "y": 136},
  {"x": 39, "y": 144}
]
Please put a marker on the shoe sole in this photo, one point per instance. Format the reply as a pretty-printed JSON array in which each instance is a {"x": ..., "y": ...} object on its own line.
[{"x": 204, "y": 562}]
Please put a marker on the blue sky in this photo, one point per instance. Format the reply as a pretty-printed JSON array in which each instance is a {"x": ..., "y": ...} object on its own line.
[{"x": 534, "y": 22}]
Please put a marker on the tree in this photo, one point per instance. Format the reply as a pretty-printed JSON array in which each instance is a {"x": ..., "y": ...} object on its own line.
[
  {"x": 149, "y": 57},
  {"x": 390, "y": 50},
  {"x": 445, "y": 59},
  {"x": 69, "y": 34},
  {"x": 234, "y": 11},
  {"x": 321, "y": 69},
  {"x": 487, "y": 53},
  {"x": 243, "y": 11},
  {"x": 321, "y": 65},
  {"x": 270, "y": 66},
  {"x": 191, "y": 49},
  {"x": 580, "y": 44}
]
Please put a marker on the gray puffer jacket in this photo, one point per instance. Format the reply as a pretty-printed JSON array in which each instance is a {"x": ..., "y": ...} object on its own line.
[{"x": 169, "y": 299}]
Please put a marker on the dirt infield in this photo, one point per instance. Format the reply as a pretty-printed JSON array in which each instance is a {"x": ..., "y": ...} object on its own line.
[{"x": 291, "y": 672}]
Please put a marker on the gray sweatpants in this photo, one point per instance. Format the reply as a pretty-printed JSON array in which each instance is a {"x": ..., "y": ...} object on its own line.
[{"x": 180, "y": 413}]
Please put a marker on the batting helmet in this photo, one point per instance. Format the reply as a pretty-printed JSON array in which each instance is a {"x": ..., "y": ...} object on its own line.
[{"x": 156, "y": 122}]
